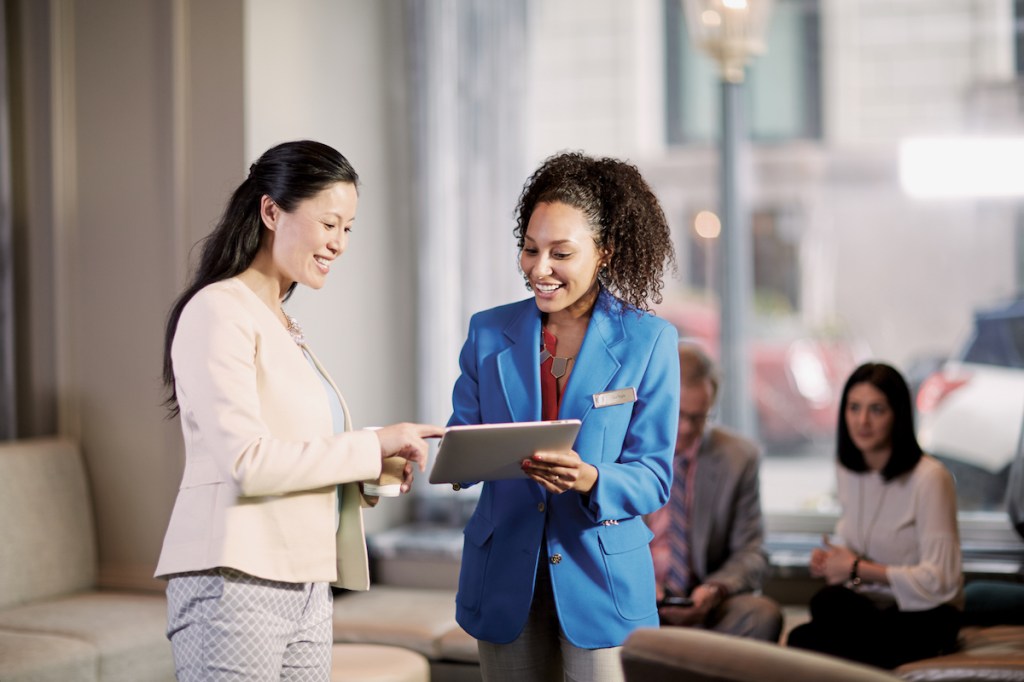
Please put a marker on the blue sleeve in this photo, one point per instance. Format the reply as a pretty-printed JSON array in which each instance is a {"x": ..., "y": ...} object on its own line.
[
  {"x": 466, "y": 394},
  {"x": 640, "y": 480}
]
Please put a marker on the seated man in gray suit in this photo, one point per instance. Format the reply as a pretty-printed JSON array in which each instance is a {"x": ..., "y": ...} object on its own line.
[{"x": 708, "y": 559}]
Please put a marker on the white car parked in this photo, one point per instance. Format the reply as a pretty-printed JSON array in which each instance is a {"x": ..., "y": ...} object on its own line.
[{"x": 970, "y": 410}]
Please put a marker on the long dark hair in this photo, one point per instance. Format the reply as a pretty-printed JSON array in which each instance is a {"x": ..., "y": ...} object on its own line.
[
  {"x": 906, "y": 452},
  {"x": 287, "y": 173}
]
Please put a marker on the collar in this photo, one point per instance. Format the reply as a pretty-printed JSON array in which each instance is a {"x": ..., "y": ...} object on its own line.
[{"x": 690, "y": 453}]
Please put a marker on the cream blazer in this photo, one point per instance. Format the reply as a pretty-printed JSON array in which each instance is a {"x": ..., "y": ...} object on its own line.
[{"x": 262, "y": 461}]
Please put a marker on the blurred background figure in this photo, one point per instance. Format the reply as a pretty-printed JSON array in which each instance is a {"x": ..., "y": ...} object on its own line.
[
  {"x": 708, "y": 538},
  {"x": 894, "y": 590}
]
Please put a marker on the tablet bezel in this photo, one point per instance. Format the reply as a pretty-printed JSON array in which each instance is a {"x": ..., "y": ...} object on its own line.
[{"x": 492, "y": 452}]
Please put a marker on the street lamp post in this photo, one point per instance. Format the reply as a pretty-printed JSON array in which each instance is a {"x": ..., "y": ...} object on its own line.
[{"x": 732, "y": 32}]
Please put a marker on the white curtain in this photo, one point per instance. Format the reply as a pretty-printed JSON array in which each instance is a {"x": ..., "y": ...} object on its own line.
[{"x": 466, "y": 73}]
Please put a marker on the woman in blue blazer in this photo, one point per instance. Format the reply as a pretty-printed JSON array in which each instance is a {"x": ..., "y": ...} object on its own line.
[{"x": 556, "y": 568}]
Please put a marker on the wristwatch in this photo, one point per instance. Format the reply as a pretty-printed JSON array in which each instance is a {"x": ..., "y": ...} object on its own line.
[{"x": 854, "y": 577}]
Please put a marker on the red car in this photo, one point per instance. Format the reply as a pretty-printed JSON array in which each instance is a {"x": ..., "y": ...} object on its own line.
[{"x": 797, "y": 377}]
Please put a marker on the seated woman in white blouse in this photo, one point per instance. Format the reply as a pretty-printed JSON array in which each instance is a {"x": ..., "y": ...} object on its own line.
[{"x": 894, "y": 579}]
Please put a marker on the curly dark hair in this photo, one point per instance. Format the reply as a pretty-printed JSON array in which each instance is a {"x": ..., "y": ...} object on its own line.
[{"x": 626, "y": 218}]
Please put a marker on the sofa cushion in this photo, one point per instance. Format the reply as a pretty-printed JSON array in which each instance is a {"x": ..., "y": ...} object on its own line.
[
  {"x": 28, "y": 657},
  {"x": 127, "y": 631},
  {"x": 377, "y": 663},
  {"x": 47, "y": 539},
  {"x": 459, "y": 645},
  {"x": 681, "y": 653},
  {"x": 408, "y": 617},
  {"x": 994, "y": 654}
]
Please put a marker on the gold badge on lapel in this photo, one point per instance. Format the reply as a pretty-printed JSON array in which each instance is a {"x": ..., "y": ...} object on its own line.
[{"x": 618, "y": 397}]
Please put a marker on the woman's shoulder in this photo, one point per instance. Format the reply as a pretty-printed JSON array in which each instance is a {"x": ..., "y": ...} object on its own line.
[
  {"x": 641, "y": 324},
  {"x": 632, "y": 317},
  {"x": 928, "y": 468},
  {"x": 503, "y": 313},
  {"x": 230, "y": 290},
  {"x": 229, "y": 294},
  {"x": 220, "y": 301}
]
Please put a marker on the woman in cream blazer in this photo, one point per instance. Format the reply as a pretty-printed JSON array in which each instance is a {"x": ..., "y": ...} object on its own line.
[{"x": 269, "y": 508}]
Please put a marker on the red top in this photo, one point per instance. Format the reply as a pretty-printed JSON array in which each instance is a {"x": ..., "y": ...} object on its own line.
[{"x": 550, "y": 398}]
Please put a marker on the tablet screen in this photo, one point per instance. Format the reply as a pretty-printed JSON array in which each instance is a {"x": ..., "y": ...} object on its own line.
[{"x": 491, "y": 452}]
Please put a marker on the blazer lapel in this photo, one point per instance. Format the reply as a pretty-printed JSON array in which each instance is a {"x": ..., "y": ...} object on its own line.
[
  {"x": 596, "y": 364},
  {"x": 519, "y": 365},
  {"x": 708, "y": 473}
]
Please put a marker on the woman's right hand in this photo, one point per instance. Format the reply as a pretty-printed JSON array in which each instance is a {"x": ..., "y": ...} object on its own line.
[
  {"x": 831, "y": 562},
  {"x": 407, "y": 440}
]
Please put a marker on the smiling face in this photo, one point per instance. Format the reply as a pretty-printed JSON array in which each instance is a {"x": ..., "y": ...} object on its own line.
[
  {"x": 306, "y": 241},
  {"x": 560, "y": 259},
  {"x": 869, "y": 419}
]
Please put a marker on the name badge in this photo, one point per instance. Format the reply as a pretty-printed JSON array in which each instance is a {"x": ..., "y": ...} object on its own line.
[{"x": 609, "y": 398}]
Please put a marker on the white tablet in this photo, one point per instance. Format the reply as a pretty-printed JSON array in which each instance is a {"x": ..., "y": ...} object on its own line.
[{"x": 491, "y": 452}]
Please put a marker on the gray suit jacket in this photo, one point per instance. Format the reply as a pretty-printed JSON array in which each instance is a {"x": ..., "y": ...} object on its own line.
[{"x": 726, "y": 528}]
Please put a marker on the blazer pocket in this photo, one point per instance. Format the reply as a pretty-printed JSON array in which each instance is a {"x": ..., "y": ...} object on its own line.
[
  {"x": 476, "y": 551},
  {"x": 626, "y": 551}
]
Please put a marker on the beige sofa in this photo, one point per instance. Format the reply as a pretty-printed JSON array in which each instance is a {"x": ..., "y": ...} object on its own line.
[
  {"x": 691, "y": 655},
  {"x": 56, "y": 623},
  {"x": 416, "y": 618},
  {"x": 992, "y": 654}
]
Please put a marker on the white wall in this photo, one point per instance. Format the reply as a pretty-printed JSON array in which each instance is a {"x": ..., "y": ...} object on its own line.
[
  {"x": 595, "y": 78},
  {"x": 332, "y": 70},
  {"x": 138, "y": 119},
  {"x": 131, "y": 172}
]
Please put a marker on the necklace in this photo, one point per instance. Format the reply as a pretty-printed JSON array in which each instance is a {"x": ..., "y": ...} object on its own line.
[
  {"x": 559, "y": 365},
  {"x": 294, "y": 329},
  {"x": 865, "y": 538}
]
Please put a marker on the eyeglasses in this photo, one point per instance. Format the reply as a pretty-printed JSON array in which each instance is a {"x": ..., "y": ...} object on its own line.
[{"x": 697, "y": 419}]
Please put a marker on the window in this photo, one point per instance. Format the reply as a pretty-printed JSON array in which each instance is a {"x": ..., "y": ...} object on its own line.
[
  {"x": 1018, "y": 34},
  {"x": 846, "y": 266},
  {"x": 784, "y": 85},
  {"x": 776, "y": 260}
]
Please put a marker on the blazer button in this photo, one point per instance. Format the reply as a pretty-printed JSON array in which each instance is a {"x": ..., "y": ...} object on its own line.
[
  {"x": 456, "y": 487},
  {"x": 556, "y": 558},
  {"x": 540, "y": 506}
]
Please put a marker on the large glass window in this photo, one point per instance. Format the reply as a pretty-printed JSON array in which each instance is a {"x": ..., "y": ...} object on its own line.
[{"x": 846, "y": 265}]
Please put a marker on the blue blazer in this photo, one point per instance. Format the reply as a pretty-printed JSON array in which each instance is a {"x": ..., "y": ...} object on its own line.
[{"x": 596, "y": 545}]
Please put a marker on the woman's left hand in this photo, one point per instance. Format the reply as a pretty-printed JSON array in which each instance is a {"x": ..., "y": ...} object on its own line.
[
  {"x": 560, "y": 470},
  {"x": 837, "y": 560}
]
